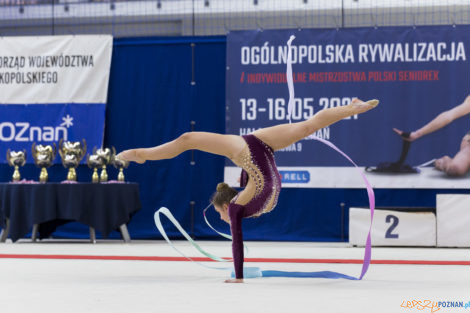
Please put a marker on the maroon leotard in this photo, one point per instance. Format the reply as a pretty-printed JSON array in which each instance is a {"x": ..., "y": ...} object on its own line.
[{"x": 257, "y": 162}]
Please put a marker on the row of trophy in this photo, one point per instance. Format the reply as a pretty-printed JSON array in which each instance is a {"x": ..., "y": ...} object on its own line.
[{"x": 71, "y": 154}]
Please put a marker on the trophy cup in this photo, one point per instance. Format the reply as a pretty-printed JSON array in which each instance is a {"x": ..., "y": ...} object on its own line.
[
  {"x": 107, "y": 156},
  {"x": 121, "y": 165},
  {"x": 94, "y": 161},
  {"x": 43, "y": 158},
  {"x": 72, "y": 153},
  {"x": 16, "y": 159}
]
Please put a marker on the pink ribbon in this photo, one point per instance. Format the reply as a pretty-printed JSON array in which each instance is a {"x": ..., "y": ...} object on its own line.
[
  {"x": 370, "y": 194},
  {"x": 370, "y": 191}
]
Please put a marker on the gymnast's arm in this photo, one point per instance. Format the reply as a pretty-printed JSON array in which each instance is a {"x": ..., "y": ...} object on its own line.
[
  {"x": 236, "y": 213},
  {"x": 440, "y": 121}
]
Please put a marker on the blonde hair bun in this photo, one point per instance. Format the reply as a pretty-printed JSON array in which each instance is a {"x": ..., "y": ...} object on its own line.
[{"x": 222, "y": 186}]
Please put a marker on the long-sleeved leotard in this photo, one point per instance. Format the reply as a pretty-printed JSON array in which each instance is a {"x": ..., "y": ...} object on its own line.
[{"x": 263, "y": 187}]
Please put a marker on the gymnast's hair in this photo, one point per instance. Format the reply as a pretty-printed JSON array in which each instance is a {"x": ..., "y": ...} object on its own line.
[{"x": 224, "y": 193}]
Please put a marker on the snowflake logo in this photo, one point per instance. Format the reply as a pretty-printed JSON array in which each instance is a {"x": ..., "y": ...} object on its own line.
[{"x": 68, "y": 121}]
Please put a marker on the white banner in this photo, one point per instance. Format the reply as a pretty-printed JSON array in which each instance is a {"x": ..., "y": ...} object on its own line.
[
  {"x": 55, "y": 69},
  {"x": 348, "y": 177}
]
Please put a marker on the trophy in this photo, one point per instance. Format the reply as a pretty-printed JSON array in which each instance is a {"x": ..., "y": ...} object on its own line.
[
  {"x": 94, "y": 161},
  {"x": 107, "y": 156},
  {"x": 72, "y": 153},
  {"x": 120, "y": 164},
  {"x": 43, "y": 158},
  {"x": 16, "y": 159}
]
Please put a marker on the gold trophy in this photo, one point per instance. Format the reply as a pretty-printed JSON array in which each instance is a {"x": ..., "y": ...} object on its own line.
[
  {"x": 43, "y": 158},
  {"x": 121, "y": 165},
  {"x": 107, "y": 156},
  {"x": 72, "y": 153},
  {"x": 16, "y": 159},
  {"x": 94, "y": 161}
]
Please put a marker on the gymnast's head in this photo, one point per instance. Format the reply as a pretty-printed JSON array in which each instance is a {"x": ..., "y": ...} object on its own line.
[{"x": 221, "y": 199}]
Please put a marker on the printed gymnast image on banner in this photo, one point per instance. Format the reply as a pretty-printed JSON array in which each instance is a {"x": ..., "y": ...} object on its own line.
[
  {"x": 53, "y": 88},
  {"x": 408, "y": 141}
]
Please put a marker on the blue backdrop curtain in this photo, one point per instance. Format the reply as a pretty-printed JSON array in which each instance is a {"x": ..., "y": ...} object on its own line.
[{"x": 158, "y": 86}]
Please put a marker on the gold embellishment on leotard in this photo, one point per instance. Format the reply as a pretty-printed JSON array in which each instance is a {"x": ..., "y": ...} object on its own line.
[
  {"x": 245, "y": 161},
  {"x": 273, "y": 195},
  {"x": 274, "y": 192}
]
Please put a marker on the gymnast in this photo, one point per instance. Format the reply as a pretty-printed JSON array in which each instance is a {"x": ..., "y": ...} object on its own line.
[
  {"x": 459, "y": 165},
  {"x": 254, "y": 153}
]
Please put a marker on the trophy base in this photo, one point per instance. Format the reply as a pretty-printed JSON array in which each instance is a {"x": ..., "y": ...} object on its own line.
[
  {"x": 43, "y": 177},
  {"x": 95, "y": 178},
  {"x": 121, "y": 175},
  {"x": 16, "y": 174},
  {"x": 72, "y": 174},
  {"x": 104, "y": 175}
]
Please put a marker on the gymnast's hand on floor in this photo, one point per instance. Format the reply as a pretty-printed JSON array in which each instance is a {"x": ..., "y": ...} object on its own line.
[
  {"x": 234, "y": 281},
  {"x": 131, "y": 155},
  {"x": 413, "y": 135}
]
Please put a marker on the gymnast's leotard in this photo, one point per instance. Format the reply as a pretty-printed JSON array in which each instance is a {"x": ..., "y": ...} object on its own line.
[{"x": 257, "y": 162}]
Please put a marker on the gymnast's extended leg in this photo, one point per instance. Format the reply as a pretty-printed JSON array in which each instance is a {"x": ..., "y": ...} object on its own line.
[
  {"x": 226, "y": 145},
  {"x": 281, "y": 136},
  {"x": 277, "y": 137}
]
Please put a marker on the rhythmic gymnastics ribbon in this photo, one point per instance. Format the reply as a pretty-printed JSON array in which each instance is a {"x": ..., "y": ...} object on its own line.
[
  {"x": 172, "y": 219},
  {"x": 370, "y": 191},
  {"x": 249, "y": 272},
  {"x": 290, "y": 82},
  {"x": 253, "y": 272},
  {"x": 175, "y": 222}
]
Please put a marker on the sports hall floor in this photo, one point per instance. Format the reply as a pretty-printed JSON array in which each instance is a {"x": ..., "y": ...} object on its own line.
[{"x": 143, "y": 276}]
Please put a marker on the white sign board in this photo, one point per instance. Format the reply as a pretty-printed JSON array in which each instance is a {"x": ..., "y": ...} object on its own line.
[
  {"x": 55, "y": 69},
  {"x": 453, "y": 220},
  {"x": 392, "y": 228}
]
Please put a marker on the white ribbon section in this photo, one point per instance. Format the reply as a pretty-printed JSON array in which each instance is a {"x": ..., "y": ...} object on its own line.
[
  {"x": 172, "y": 219},
  {"x": 290, "y": 82},
  {"x": 427, "y": 163},
  {"x": 227, "y": 236}
]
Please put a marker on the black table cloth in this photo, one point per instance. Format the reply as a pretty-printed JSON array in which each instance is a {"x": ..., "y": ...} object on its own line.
[{"x": 102, "y": 206}]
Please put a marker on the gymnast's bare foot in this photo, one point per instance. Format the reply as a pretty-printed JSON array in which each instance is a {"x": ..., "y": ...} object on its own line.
[
  {"x": 131, "y": 155},
  {"x": 360, "y": 106}
]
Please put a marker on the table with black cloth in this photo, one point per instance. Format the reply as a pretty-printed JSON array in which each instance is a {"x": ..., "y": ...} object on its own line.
[{"x": 104, "y": 207}]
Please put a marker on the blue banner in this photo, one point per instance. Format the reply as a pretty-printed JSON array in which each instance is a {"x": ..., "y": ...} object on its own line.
[
  {"x": 23, "y": 125},
  {"x": 416, "y": 73}
]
